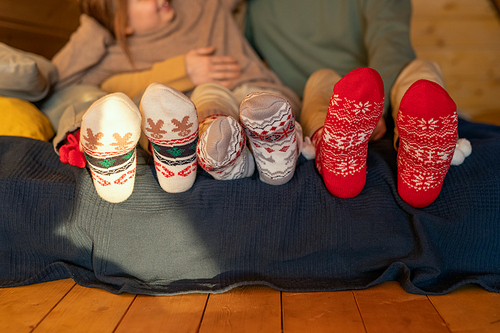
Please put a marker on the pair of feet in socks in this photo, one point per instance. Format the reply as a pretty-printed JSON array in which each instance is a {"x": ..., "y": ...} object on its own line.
[
  {"x": 112, "y": 126},
  {"x": 111, "y": 129},
  {"x": 427, "y": 128},
  {"x": 274, "y": 136}
]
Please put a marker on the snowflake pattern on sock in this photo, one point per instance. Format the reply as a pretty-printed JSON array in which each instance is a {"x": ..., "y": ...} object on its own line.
[
  {"x": 426, "y": 147},
  {"x": 345, "y": 134},
  {"x": 427, "y": 125},
  {"x": 355, "y": 108}
]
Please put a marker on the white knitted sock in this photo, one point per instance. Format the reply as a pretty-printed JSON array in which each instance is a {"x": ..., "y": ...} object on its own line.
[
  {"x": 110, "y": 130},
  {"x": 222, "y": 150},
  {"x": 170, "y": 123},
  {"x": 275, "y": 141}
]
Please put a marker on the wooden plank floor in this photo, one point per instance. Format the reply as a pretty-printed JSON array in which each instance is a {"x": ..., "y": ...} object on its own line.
[
  {"x": 63, "y": 306},
  {"x": 463, "y": 36}
]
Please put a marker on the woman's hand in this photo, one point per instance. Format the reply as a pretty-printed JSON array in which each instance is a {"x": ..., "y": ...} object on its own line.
[{"x": 203, "y": 66}]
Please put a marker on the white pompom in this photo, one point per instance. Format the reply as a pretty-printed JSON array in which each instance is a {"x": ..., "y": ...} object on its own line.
[
  {"x": 308, "y": 150},
  {"x": 465, "y": 147},
  {"x": 458, "y": 157}
]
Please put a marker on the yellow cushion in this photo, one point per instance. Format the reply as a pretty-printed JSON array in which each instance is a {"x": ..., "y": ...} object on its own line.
[{"x": 21, "y": 118}]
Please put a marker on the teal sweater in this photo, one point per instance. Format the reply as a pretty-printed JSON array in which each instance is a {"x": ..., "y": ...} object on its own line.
[{"x": 298, "y": 37}]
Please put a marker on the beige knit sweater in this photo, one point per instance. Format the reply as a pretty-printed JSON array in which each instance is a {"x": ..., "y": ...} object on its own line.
[{"x": 92, "y": 56}]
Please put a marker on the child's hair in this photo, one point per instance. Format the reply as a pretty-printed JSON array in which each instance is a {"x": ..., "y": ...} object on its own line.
[{"x": 111, "y": 14}]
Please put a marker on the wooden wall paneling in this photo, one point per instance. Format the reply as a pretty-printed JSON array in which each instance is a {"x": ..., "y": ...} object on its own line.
[
  {"x": 454, "y": 9},
  {"x": 58, "y": 14},
  {"x": 442, "y": 34},
  {"x": 31, "y": 40},
  {"x": 41, "y": 27},
  {"x": 476, "y": 97},
  {"x": 463, "y": 37}
]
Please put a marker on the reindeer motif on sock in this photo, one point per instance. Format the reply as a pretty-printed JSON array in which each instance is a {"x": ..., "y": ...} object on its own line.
[
  {"x": 173, "y": 141},
  {"x": 182, "y": 126},
  {"x": 112, "y": 124},
  {"x": 92, "y": 141},
  {"x": 155, "y": 128}
]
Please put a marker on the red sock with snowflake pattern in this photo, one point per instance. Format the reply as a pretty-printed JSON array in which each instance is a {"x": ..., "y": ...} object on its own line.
[
  {"x": 355, "y": 108},
  {"x": 427, "y": 125}
]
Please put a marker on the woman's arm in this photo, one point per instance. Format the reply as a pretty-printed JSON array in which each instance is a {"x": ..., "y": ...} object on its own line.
[
  {"x": 183, "y": 73},
  {"x": 171, "y": 72},
  {"x": 86, "y": 48}
]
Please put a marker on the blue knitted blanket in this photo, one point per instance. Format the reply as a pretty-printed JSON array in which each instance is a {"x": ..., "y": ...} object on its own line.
[{"x": 222, "y": 234}]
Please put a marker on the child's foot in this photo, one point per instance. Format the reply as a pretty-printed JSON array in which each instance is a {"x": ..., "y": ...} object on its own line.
[
  {"x": 170, "y": 123},
  {"x": 275, "y": 141},
  {"x": 355, "y": 108},
  {"x": 222, "y": 150},
  {"x": 110, "y": 130},
  {"x": 427, "y": 125}
]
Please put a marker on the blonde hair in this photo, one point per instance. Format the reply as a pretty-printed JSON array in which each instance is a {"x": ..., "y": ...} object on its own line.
[{"x": 111, "y": 14}]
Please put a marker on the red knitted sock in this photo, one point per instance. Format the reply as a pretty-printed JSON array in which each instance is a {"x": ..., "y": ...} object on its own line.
[
  {"x": 427, "y": 126},
  {"x": 355, "y": 108}
]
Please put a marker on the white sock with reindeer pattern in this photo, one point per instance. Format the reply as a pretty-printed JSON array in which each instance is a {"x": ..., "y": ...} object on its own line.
[
  {"x": 274, "y": 136},
  {"x": 110, "y": 130},
  {"x": 170, "y": 123}
]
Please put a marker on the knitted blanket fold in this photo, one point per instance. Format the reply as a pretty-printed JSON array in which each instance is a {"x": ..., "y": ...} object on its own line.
[{"x": 222, "y": 234}]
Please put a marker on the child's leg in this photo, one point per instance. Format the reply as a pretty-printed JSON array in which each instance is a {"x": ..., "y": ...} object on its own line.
[
  {"x": 170, "y": 123},
  {"x": 274, "y": 135},
  {"x": 317, "y": 94},
  {"x": 414, "y": 71},
  {"x": 355, "y": 108},
  {"x": 213, "y": 100},
  {"x": 222, "y": 150},
  {"x": 110, "y": 130}
]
